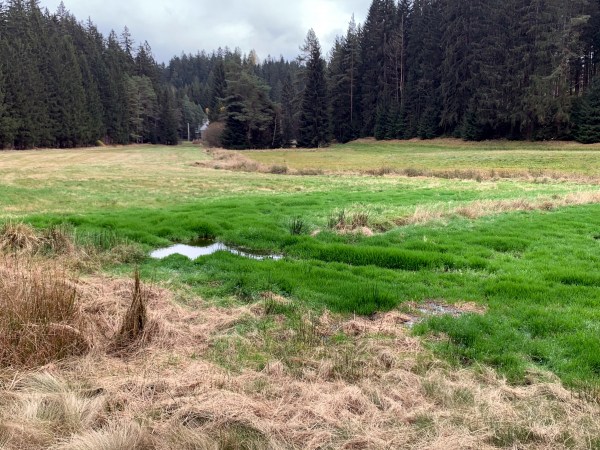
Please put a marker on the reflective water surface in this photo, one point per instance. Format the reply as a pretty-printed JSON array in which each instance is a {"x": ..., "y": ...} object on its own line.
[{"x": 207, "y": 247}]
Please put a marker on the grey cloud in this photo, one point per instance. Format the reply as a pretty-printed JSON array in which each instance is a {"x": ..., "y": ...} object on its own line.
[{"x": 270, "y": 27}]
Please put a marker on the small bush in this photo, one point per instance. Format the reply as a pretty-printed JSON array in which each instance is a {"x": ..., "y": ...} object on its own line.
[
  {"x": 100, "y": 143},
  {"x": 360, "y": 219},
  {"x": 412, "y": 172},
  {"x": 212, "y": 135},
  {"x": 380, "y": 172}
]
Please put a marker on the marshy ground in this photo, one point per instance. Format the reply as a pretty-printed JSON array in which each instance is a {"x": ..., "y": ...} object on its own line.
[{"x": 431, "y": 295}]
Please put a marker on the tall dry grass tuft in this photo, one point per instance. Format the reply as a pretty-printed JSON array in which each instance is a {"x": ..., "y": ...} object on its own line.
[
  {"x": 114, "y": 437},
  {"x": 135, "y": 321},
  {"x": 39, "y": 318},
  {"x": 19, "y": 237},
  {"x": 482, "y": 208},
  {"x": 60, "y": 239}
]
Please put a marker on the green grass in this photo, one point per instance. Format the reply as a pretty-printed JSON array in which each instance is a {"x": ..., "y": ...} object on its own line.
[
  {"x": 537, "y": 273},
  {"x": 568, "y": 158}
]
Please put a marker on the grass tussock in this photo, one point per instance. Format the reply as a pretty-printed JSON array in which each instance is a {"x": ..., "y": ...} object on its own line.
[
  {"x": 135, "y": 321},
  {"x": 39, "y": 315},
  {"x": 352, "y": 221},
  {"x": 19, "y": 237}
]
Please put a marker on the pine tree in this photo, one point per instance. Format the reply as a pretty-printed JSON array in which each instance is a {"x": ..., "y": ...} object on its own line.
[
  {"x": 377, "y": 75},
  {"x": 586, "y": 116},
  {"x": 251, "y": 119},
  {"x": 218, "y": 87},
  {"x": 343, "y": 86},
  {"x": 7, "y": 126},
  {"x": 167, "y": 128},
  {"x": 314, "y": 115},
  {"x": 424, "y": 57},
  {"x": 288, "y": 112},
  {"x": 114, "y": 93}
]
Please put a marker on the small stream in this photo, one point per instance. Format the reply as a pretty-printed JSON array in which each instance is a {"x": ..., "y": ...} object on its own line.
[{"x": 208, "y": 247}]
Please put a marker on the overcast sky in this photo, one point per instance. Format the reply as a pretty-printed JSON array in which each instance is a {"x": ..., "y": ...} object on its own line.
[{"x": 271, "y": 27}]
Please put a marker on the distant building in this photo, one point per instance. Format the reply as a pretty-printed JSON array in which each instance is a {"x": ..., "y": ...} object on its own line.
[{"x": 202, "y": 128}]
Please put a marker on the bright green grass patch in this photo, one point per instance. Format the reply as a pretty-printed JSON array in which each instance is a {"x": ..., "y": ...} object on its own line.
[{"x": 537, "y": 272}]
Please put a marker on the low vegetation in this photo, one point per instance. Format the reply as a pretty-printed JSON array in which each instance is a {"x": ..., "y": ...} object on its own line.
[{"x": 407, "y": 311}]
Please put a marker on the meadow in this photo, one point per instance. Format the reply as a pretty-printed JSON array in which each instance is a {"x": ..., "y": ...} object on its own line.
[{"x": 487, "y": 256}]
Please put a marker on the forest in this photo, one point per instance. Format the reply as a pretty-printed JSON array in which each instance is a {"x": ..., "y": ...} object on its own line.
[{"x": 477, "y": 70}]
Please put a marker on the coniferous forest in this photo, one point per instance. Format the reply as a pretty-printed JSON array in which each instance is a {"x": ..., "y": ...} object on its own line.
[{"x": 482, "y": 69}]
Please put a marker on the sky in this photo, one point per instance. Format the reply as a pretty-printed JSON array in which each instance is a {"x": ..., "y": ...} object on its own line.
[{"x": 271, "y": 27}]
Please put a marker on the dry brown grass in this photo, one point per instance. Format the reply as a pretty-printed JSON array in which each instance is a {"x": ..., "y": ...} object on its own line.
[
  {"x": 377, "y": 389},
  {"x": 481, "y": 208},
  {"x": 231, "y": 160},
  {"x": 135, "y": 322},
  {"x": 237, "y": 161},
  {"x": 39, "y": 316},
  {"x": 18, "y": 237}
]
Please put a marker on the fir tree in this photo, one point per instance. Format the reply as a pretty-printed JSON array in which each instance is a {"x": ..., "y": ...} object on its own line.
[
  {"x": 314, "y": 116},
  {"x": 586, "y": 116},
  {"x": 288, "y": 112}
]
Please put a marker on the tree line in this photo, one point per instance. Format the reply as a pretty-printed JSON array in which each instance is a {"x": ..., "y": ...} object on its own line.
[
  {"x": 482, "y": 69},
  {"x": 63, "y": 84}
]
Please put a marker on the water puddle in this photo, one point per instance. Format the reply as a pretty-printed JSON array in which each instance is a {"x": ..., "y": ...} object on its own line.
[
  {"x": 419, "y": 312},
  {"x": 208, "y": 247}
]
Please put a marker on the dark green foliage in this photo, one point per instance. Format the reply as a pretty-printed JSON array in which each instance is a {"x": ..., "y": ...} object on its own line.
[
  {"x": 423, "y": 68},
  {"x": 344, "y": 86},
  {"x": 251, "y": 118},
  {"x": 168, "y": 123},
  {"x": 63, "y": 85},
  {"x": 586, "y": 116},
  {"x": 289, "y": 124},
  {"x": 314, "y": 115},
  {"x": 297, "y": 225}
]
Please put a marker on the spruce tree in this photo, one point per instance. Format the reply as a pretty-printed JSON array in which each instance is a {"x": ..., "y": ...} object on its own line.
[
  {"x": 218, "y": 87},
  {"x": 167, "y": 128},
  {"x": 288, "y": 112},
  {"x": 314, "y": 114},
  {"x": 586, "y": 116},
  {"x": 344, "y": 86}
]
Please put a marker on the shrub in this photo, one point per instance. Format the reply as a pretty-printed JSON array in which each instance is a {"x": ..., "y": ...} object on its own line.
[{"x": 212, "y": 135}]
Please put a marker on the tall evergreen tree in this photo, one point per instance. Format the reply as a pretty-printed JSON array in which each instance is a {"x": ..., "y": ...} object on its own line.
[
  {"x": 314, "y": 115},
  {"x": 218, "y": 87},
  {"x": 343, "y": 86},
  {"x": 586, "y": 116},
  {"x": 377, "y": 75},
  {"x": 167, "y": 122},
  {"x": 288, "y": 112}
]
